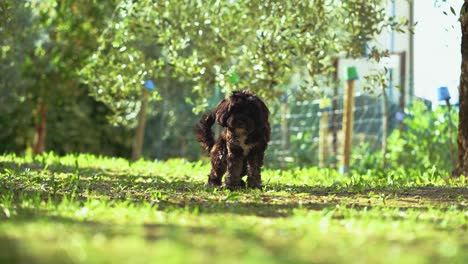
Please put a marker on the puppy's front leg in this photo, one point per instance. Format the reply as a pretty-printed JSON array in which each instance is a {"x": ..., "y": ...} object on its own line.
[
  {"x": 254, "y": 162},
  {"x": 235, "y": 162}
]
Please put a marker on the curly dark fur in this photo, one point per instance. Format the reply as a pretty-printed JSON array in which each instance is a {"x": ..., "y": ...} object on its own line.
[{"x": 240, "y": 148}]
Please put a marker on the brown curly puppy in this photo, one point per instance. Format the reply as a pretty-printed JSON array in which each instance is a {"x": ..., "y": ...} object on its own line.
[{"x": 240, "y": 148}]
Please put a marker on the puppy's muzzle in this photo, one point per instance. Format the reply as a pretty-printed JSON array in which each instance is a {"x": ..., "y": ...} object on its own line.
[{"x": 240, "y": 121}]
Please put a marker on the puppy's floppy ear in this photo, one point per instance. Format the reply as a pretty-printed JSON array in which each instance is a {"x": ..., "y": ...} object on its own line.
[
  {"x": 261, "y": 108},
  {"x": 263, "y": 126},
  {"x": 222, "y": 112},
  {"x": 264, "y": 112}
]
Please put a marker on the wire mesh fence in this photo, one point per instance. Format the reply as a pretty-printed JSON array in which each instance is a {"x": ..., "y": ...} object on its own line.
[{"x": 304, "y": 134}]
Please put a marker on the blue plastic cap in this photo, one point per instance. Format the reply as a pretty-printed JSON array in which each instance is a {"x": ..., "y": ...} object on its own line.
[
  {"x": 325, "y": 109},
  {"x": 325, "y": 105},
  {"x": 149, "y": 84},
  {"x": 399, "y": 116},
  {"x": 284, "y": 98},
  {"x": 443, "y": 93}
]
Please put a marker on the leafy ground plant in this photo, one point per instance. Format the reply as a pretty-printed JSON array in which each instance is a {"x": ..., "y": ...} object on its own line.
[{"x": 88, "y": 209}]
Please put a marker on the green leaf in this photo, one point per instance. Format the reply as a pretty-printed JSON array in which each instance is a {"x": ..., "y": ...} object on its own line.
[
  {"x": 453, "y": 11},
  {"x": 234, "y": 78}
]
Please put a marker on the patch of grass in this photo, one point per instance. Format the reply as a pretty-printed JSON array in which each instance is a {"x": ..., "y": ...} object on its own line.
[{"x": 87, "y": 209}]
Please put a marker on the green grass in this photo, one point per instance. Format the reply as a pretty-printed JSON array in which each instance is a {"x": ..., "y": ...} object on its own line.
[{"x": 87, "y": 209}]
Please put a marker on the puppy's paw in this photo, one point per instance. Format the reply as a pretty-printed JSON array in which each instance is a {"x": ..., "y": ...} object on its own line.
[
  {"x": 235, "y": 186},
  {"x": 255, "y": 185},
  {"x": 213, "y": 182}
]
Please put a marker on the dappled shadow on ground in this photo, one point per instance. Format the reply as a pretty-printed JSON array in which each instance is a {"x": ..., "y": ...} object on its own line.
[
  {"x": 259, "y": 204},
  {"x": 152, "y": 231},
  {"x": 436, "y": 193},
  {"x": 12, "y": 249},
  {"x": 276, "y": 200}
]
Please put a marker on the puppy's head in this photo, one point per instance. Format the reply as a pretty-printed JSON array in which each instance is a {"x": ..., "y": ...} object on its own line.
[{"x": 242, "y": 110}]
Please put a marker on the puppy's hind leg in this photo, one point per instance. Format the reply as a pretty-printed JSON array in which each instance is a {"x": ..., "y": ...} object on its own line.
[{"x": 218, "y": 167}]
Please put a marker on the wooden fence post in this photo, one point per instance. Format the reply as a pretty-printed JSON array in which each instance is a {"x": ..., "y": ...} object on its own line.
[
  {"x": 324, "y": 148},
  {"x": 348, "y": 115}
]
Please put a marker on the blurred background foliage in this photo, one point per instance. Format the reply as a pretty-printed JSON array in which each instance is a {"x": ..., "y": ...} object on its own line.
[
  {"x": 425, "y": 143},
  {"x": 73, "y": 71}
]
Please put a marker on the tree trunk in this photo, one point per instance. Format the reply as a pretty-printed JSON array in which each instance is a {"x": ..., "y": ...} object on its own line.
[
  {"x": 40, "y": 128},
  {"x": 140, "y": 130},
  {"x": 462, "y": 164}
]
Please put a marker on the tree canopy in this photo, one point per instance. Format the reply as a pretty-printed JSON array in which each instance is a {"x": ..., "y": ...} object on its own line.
[
  {"x": 256, "y": 45},
  {"x": 68, "y": 63}
]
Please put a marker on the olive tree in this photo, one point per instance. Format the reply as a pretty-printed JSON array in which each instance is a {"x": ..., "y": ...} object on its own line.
[
  {"x": 45, "y": 43},
  {"x": 256, "y": 45}
]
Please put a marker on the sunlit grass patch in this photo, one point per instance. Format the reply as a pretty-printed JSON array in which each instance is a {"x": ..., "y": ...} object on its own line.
[{"x": 86, "y": 209}]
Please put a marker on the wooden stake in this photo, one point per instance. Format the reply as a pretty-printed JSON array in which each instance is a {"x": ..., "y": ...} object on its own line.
[
  {"x": 450, "y": 132},
  {"x": 284, "y": 133},
  {"x": 323, "y": 139},
  {"x": 348, "y": 116}
]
